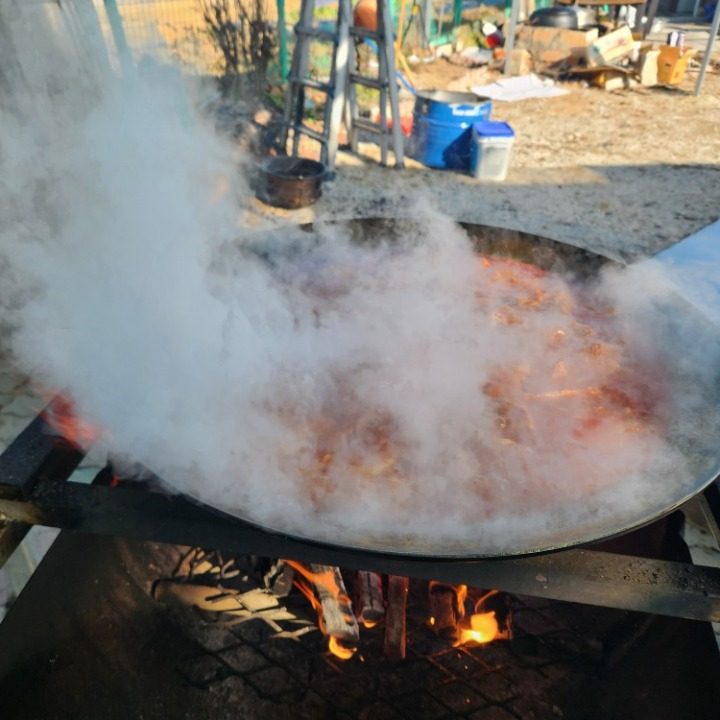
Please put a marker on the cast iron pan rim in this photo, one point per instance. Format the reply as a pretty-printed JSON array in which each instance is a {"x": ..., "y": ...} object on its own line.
[{"x": 360, "y": 552}]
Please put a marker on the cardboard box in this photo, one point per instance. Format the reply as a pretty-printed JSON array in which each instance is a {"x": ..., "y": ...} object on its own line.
[
  {"x": 672, "y": 63},
  {"x": 549, "y": 45},
  {"x": 609, "y": 77},
  {"x": 613, "y": 80},
  {"x": 648, "y": 68},
  {"x": 611, "y": 47}
]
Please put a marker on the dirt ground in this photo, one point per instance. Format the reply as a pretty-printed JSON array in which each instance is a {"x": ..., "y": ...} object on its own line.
[{"x": 625, "y": 173}]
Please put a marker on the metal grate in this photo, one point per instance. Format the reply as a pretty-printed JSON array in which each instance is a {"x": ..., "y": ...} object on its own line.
[
  {"x": 564, "y": 661},
  {"x": 554, "y": 643}
]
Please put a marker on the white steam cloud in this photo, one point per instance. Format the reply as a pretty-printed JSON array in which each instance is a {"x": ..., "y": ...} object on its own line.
[{"x": 335, "y": 390}]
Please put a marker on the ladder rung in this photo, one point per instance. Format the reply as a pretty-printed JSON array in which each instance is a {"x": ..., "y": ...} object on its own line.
[
  {"x": 370, "y": 126},
  {"x": 368, "y": 82},
  {"x": 316, "y": 33},
  {"x": 361, "y": 32},
  {"x": 305, "y": 130},
  {"x": 312, "y": 84}
]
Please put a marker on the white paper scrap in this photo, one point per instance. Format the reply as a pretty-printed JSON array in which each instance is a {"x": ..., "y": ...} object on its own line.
[{"x": 519, "y": 88}]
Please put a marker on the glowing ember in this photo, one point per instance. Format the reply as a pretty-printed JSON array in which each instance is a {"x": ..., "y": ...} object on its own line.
[{"x": 339, "y": 650}]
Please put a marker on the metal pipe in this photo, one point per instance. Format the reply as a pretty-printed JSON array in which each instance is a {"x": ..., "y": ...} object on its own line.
[
  {"x": 118, "y": 33},
  {"x": 457, "y": 12},
  {"x": 510, "y": 36},
  {"x": 652, "y": 7},
  {"x": 709, "y": 49},
  {"x": 282, "y": 40}
]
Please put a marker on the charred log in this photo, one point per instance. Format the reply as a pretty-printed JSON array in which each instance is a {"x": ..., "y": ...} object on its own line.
[
  {"x": 369, "y": 598},
  {"x": 395, "y": 621},
  {"x": 446, "y": 609}
]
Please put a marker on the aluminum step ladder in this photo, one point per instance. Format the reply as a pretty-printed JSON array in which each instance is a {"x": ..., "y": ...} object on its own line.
[{"x": 340, "y": 87}]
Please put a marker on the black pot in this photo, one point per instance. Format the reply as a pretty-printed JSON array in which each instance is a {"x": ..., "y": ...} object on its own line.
[
  {"x": 560, "y": 17},
  {"x": 290, "y": 182}
]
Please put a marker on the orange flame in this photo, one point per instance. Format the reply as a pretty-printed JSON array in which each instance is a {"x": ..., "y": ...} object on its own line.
[
  {"x": 462, "y": 592},
  {"x": 484, "y": 627},
  {"x": 60, "y": 415},
  {"x": 339, "y": 650},
  {"x": 326, "y": 581},
  {"x": 307, "y": 591}
]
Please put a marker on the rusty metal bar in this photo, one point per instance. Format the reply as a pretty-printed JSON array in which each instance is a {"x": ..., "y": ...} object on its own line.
[{"x": 584, "y": 576}]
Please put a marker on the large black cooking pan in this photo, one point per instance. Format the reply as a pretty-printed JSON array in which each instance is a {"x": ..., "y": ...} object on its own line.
[{"x": 695, "y": 435}]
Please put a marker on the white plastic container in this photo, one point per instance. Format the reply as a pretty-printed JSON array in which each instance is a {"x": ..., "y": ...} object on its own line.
[{"x": 491, "y": 148}]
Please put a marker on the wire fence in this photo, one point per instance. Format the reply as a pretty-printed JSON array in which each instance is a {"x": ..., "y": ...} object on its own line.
[{"x": 171, "y": 31}]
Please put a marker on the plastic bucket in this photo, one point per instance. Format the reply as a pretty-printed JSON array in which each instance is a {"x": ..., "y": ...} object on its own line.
[
  {"x": 451, "y": 107},
  {"x": 442, "y": 131},
  {"x": 441, "y": 145}
]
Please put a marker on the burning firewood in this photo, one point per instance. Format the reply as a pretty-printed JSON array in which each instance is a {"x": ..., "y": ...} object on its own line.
[
  {"x": 327, "y": 593},
  {"x": 447, "y": 608},
  {"x": 395, "y": 617},
  {"x": 369, "y": 598},
  {"x": 340, "y": 621},
  {"x": 279, "y": 578}
]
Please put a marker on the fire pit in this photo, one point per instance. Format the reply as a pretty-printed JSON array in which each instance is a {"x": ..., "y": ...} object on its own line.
[{"x": 440, "y": 622}]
